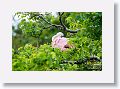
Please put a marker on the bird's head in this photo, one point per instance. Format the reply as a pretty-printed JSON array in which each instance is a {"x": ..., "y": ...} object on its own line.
[{"x": 59, "y": 34}]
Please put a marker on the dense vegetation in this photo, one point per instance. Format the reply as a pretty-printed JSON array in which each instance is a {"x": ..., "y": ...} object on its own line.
[{"x": 32, "y": 50}]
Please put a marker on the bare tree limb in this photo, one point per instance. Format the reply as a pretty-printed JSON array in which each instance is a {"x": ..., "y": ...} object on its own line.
[
  {"x": 55, "y": 25},
  {"x": 64, "y": 27},
  {"x": 47, "y": 27},
  {"x": 60, "y": 18},
  {"x": 72, "y": 31}
]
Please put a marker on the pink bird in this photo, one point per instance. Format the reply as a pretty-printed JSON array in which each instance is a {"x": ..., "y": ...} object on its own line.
[{"x": 59, "y": 42}]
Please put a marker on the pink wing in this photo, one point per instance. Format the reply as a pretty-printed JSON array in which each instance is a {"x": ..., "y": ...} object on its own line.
[{"x": 59, "y": 42}]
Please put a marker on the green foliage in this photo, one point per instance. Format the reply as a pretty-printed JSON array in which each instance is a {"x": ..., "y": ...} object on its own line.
[
  {"x": 91, "y": 22},
  {"x": 32, "y": 49},
  {"x": 46, "y": 58}
]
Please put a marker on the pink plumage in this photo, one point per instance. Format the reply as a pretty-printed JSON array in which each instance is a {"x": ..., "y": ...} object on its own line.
[{"x": 59, "y": 42}]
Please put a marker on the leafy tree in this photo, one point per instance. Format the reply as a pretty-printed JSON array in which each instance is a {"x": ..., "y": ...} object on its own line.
[{"x": 32, "y": 43}]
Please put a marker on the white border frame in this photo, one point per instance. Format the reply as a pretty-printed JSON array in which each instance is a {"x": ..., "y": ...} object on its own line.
[{"x": 105, "y": 76}]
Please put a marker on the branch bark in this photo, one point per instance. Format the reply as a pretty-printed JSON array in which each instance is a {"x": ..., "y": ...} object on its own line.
[
  {"x": 60, "y": 18},
  {"x": 72, "y": 31},
  {"x": 62, "y": 24},
  {"x": 55, "y": 25},
  {"x": 80, "y": 61}
]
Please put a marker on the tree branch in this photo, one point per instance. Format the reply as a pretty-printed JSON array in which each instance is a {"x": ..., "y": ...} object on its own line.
[
  {"x": 64, "y": 27},
  {"x": 72, "y": 31},
  {"x": 55, "y": 25},
  {"x": 60, "y": 18},
  {"x": 80, "y": 61}
]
